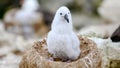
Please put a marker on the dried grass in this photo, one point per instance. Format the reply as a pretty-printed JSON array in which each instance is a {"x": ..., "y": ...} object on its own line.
[{"x": 38, "y": 56}]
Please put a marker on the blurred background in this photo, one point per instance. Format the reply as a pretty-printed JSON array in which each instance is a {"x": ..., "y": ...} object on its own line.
[{"x": 22, "y": 22}]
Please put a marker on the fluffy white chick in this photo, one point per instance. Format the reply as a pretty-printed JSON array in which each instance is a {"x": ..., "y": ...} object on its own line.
[{"x": 62, "y": 42}]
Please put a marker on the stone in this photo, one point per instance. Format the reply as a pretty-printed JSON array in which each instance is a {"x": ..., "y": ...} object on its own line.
[
  {"x": 109, "y": 10},
  {"x": 11, "y": 48},
  {"x": 110, "y": 52},
  {"x": 116, "y": 35},
  {"x": 10, "y": 61},
  {"x": 10, "y": 43},
  {"x": 99, "y": 30}
]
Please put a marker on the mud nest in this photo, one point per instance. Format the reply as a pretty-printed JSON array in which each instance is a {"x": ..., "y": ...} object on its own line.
[{"x": 39, "y": 57}]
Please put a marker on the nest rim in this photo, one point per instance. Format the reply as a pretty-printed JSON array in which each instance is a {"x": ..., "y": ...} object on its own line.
[{"x": 86, "y": 58}]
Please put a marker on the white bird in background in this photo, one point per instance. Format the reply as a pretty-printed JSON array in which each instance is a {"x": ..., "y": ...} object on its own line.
[
  {"x": 62, "y": 42},
  {"x": 30, "y": 20},
  {"x": 27, "y": 13},
  {"x": 27, "y": 16}
]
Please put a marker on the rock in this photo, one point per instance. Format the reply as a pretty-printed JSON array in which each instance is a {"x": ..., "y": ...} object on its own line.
[
  {"x": 38, "y": 56},
  {"x": 110, "y": 52},
  {"x": 109, "y": 10},
  {"x": 100, "y": 31},
  {"x": 95, "y": 31},
  {"x": 10, "y": 43},
  {"x": 116, "y": 35},
  {"x": 81, "y": 20},
  {"x": 11, "y": 48},
  {"x": 10, "y": 61}
]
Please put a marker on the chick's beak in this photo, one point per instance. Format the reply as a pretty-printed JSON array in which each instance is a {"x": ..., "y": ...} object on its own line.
[{"x": 66, "y": 18}]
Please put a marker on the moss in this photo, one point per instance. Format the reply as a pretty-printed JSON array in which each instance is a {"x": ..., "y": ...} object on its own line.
[
  {"x": 90, "y": 7},
  {"x": 115, "y": 64},
  {"x": 74, "y": 6}
]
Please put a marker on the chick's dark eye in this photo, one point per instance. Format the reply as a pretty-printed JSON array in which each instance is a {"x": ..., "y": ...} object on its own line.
[
  {"x": 68, "y": 13},
  {"x": 60, "y": 13}
]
